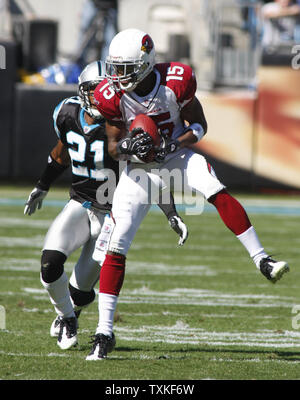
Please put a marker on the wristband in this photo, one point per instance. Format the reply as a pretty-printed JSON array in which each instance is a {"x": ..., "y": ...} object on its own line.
[
  {"x": 52, "y": 171},
  {"x": 197, "y": 130}
]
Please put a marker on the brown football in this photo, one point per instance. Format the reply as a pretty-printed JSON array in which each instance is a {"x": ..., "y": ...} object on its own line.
[{"x": 148, "y": 125}]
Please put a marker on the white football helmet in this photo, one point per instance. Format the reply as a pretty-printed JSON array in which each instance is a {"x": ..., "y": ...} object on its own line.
[
  {"x": 130, "y": 59},
  {"x": 88, "y": 80}
]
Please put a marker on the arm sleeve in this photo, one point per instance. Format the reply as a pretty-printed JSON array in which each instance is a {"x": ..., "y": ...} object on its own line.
[
  {"x": 51, "y": 172},
  {"x": 169, "y": 209}
]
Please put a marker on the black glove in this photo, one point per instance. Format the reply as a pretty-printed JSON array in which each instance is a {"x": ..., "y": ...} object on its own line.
[
  {"x": 138, "y": 143},
  {"x": 167, "y": 146}
]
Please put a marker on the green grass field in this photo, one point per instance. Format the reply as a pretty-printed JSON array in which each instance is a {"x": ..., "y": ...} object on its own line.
[{"x": 202, "y": 311}]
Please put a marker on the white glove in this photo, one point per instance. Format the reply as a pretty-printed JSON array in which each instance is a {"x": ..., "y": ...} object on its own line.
[
  {"x": 35, "y": 200},
  {"x": 179, "y": 227}
]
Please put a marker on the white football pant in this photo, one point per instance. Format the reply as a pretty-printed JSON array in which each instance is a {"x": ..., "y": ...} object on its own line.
[
  {"x": 140, "y": 186},
  {"x": 74, "y": 227}
]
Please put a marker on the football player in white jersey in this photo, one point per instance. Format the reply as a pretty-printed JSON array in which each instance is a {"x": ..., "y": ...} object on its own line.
[
  {"x": 82, "y": 143},
  {"x": 166, "y": 92}
]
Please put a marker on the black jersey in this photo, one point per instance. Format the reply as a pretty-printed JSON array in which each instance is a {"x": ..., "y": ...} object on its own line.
[{"x": 92, "y": 166}]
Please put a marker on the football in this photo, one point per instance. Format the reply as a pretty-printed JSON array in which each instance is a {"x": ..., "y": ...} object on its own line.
[{"x": 149, "y": 126}]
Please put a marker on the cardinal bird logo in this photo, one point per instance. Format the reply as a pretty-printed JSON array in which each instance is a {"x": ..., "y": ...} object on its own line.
[{"x": 147, "y": 44}]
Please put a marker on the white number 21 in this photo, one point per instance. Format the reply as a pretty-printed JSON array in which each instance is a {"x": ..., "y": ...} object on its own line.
[{"x": 79, "y": 155}]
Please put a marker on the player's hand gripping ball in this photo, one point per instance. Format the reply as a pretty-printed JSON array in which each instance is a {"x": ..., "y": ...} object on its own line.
[{"x": 145, "y": 128}]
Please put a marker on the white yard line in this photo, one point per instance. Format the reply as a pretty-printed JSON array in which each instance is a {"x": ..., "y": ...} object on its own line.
[
  {"x": 200, "y": 297},
  {"x": 150, "y": 268},
  {"x": 184, "y": 296},
  {"x": 33, "y": 241},
  {"x": 34, "y": 354},
  {"x": 26, "y": 222},
  {"x": 181, "y": 333},
  {"x": 29, "y": 264}
]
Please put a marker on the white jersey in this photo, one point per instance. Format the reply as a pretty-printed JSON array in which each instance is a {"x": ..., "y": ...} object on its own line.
[{"x": 175, "y": 88}]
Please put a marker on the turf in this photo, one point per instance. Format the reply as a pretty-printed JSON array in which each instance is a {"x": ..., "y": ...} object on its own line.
[{"x": 201, "y": 311}]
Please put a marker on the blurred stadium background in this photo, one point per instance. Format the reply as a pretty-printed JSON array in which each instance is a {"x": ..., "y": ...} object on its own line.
[{"x": 251, "y": 94}]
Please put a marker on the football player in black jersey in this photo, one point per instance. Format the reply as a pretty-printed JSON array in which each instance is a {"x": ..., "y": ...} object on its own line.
[{"x": 82, "y": 144}]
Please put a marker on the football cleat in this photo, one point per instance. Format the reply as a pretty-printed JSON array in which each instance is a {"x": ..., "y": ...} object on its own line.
[
  {"x": 273, "y": 270},
  {"x": 102, "y": 345},
  {"x": 67, "y": 336},
  {"x": 55, "y": 326}
]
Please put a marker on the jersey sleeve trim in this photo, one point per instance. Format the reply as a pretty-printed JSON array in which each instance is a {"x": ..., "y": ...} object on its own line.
[
  {"x": 190, "y": 89},
  {"x": 108, "y": 102},
  {"x": 55, "y": 117}
]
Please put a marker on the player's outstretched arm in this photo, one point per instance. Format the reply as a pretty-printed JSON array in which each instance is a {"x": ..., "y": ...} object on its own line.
[
  {"x": 175, "y": 221},
  {"x": 58, "y": 161}
]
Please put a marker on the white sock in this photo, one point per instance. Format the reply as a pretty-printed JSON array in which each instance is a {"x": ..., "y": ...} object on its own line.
[
  {"x": 60, "y": 296},
  {"x": 107, "y": 304},
  {"x": 250, "y": 241}
]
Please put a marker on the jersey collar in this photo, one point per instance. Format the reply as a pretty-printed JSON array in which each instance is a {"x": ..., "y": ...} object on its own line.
[
  {"x": 85, "y": 126},
  {"x": 146, "y": 100}
]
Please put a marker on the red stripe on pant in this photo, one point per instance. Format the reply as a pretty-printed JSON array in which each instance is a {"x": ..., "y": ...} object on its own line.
[
  {"x": 231, "y": 211},
  {"x": 112, "y": 274}
]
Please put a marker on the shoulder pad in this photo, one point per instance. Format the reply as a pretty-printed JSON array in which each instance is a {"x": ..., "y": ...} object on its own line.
[
  {"x": 73, "y": 100},
  {"x": 108, "y": 101},
  {"x": 56, "y": 117},
  {"x": 180, "y": 78},
  {"x": 62, "y": 110}
]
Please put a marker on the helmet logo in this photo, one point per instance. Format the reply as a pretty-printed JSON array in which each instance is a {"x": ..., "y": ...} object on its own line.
[{"x": 147, "y": 44}]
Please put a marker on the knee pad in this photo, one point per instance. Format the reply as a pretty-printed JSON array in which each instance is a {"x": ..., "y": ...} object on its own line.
[
  {"x": 52, "y": 265},
  {"x": 81, "y": 298}
]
